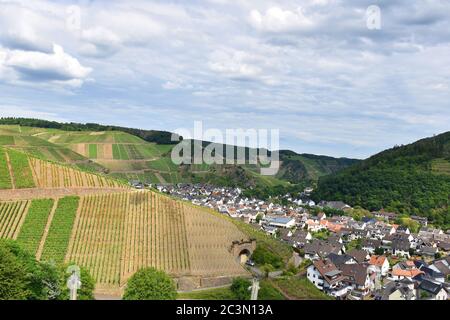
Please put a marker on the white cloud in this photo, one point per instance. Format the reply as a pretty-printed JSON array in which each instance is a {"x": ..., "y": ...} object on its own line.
[
  {"x": 132, "y": 27},
  {"x": 21, "y": 28},
  {"x": 276, "y": 19},
  {"x": 99, "y": 42},
  {"x": 236, "y": 64},
  {"x": 43, "y": 67}
]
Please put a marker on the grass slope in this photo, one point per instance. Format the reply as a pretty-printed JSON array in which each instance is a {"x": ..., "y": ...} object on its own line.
[
  {"x": 266, "y": 292},
  {"x": 300, "y": 288}
]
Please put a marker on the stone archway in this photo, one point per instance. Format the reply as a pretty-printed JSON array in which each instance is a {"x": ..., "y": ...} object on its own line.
[
  {"x": 244, "y": 255},
  {"x": 242, "y": 250}
]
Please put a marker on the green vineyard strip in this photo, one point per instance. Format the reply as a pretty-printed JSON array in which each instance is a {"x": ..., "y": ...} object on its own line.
[
  {"x": 33, "y": 227},
  {"x": 21, "y": 169},
  {"x": 123, "y": 152},
  {"x": 60, "y": 230},
  {"x": 93, "y": 151},
  {"x": 116, "y": 152},
  {"x": 6, "y": 140},
  {"x": 5, "y": 178}
]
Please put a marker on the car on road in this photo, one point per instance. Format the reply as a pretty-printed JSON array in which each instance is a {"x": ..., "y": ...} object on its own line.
[{"x": 250, "y": 263}]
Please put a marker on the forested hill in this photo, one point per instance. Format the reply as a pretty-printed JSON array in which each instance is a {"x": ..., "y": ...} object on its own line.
[
  {"x": 410, "y": 179},
  {"x": 299, "y": 167}
]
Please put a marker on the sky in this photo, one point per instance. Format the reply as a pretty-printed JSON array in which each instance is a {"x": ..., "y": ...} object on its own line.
[{"x": 334, "y": 77}]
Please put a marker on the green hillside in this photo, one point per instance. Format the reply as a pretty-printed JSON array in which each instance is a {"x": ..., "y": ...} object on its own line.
[
  {"x": 411, "y": 179},
  {"x": 134, "y": 154},
  {"x": 297, "y": 167},
  {"x": 37, "y": 142}
]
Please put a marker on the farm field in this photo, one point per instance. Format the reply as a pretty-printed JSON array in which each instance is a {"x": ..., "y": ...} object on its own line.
[
  {"x": 6, "y": 140},
  {"x": 112, "y": 234},
  {"x": 21, "y": 171},
  {"x": 31, "y": 141},
  {"x": 5, "y": 177},
  {"x": 33, "y": 227},
  {"x": 147, "y": 176},
  {"x": 50, "y": 175},
  {"x": 116, "y": 234},
  {"x": 12, "y": 214},
  {"x": 114, "y": 153},
  {"x": 58, "y": 237}
]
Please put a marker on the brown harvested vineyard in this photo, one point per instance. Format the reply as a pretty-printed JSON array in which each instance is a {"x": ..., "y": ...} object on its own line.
[
  {"x": 12, "y": 215},
  {"x": 211, "y": 256},
  {"x": 116, "y": 234},
  {"x": 50, "y": 175}
]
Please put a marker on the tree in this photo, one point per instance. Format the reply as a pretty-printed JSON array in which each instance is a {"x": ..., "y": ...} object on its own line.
[
  {"x": 24, "y": 278},
  {"x": 267, "y": 268},
  {"x": 262, "y": 256},
  {"x": 14, "y": 279},
  {"x": 150, "y": 284},
  {"x": 239, "y": 288},
  {"x": 379, "y": 251},
  {"x": 259, "y": 216}
]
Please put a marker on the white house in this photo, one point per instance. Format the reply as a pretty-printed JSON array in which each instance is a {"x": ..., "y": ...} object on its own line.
[
  {"x": 327, "y": 277},
  {"x": 314, "y": 226},
  {"x": 381, "y": 265}
]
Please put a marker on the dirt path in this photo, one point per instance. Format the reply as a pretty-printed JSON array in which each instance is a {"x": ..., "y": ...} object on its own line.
[
  {"x": 11, "y": 174},
  {"x": 35, "y": 193},
  {"x": 107, "y": 297},
  {"x": 47, "y": 227}
]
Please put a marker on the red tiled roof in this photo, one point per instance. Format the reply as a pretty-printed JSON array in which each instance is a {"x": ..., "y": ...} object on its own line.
[{"x": 377, "y": 260}]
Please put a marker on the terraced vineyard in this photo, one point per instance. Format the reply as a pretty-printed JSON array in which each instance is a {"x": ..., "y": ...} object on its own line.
[
  {"x": 5, "y": 177},
  {"x": 31, "y": 141},
  {"x": 211, "y": 256},
  {"x": 61, "y": 226},
  {"x": 125, "y": 156},
  {"x": 118, "y": 154},
  {"x": 116, "y": 234},
  {"x": 12, "y": 215},
  {"x": 21, "y": 171},
  {"x": 50, "y": 175},
  {"x": 33, "y": 227},
  {"x": 111, "y": 234}
]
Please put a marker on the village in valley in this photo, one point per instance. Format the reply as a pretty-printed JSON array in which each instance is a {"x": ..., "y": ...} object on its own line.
[{"x": 345, "y": 256}]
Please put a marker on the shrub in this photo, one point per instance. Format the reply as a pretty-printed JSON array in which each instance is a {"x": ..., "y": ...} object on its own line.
[
  {"x": 240, "y": 288},
  {"x": 24, "y": 278},
  {"x": 150, "y": 284},
  {"x": 263, "y": 256}
]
